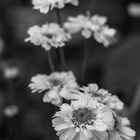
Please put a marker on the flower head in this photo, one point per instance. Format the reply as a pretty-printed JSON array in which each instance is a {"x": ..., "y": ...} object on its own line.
[
  {"x": 83, "y": 118},
  {"x": 91, "y": 25},
  {"x": 11, "y": 110},
  {"x": 103, "y": 96},
  {"x": 122, "y": 130},
  {"x": 45, "y": 5},
  {"x": 48, "y": 35},
  {"x": 56, "y": 86}
]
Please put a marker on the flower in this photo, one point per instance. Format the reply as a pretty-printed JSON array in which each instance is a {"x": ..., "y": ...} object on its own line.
[
  {"x": 83, "y": 119},
  {"x": 48, "y": 35},
  {"x": 103, "y": 96},
  {"x": 11, "y": 110},
  {"x": 91, "y": 25},
  {"x": 122, "y": 131},
  {"x": 45, "y": 5},
  {"x": 10, "y": 72},
  {"x": 56, "y": 86}
]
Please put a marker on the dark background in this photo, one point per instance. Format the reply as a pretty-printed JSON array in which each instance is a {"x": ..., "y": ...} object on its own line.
[{"x": 116, "y": 68}]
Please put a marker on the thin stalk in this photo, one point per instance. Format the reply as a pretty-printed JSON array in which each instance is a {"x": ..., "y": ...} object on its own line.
[
  {"x": 61, "y": 50},
  {"x": 52, "y": 68},
  {"x": 135, "y": 103},
  {"x": 84, "y": 63}
]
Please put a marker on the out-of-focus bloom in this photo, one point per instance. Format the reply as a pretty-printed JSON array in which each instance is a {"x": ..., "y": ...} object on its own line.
[
  {"x": 134, "y": 9},
  {"x": 48, "y": 35},
  {"x": 91, "y": 26},
  {"x": 45, "y": 5},
  {"x": 11, "y": 110},
  {"x": 84, "y": 119},
  {"x": 103, "y": 96},
  {"x": 122, "y": 131},
  {"x": 10, "y": 72},
  {"x": 57, "y": 85}
]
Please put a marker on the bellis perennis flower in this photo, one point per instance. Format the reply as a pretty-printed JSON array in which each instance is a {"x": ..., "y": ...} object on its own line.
[
  {"x": 48, "y": 35},
  {"x": 83, "y": 119},
  {"x": 56, "y": 86},
  {"x": 91, "y": 26},
  {"x": 45, "y": 5}
]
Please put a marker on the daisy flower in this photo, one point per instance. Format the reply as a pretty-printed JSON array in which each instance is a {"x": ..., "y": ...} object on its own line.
[
  {"x": 56, "y": 86},
  {"x": 48, "y": 35},
  {"x": 45, "y": 5},
  {"x": 103, "y": 96},
  {"x": 122, "y": 131},
  {"x": 91, "y": 26},
  {"x": 83, "y": 119}
]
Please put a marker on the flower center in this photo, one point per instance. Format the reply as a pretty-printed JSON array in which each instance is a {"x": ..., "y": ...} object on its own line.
[
  {"x": 83, "y": 116},
  {"x": 55, "y": 82}
]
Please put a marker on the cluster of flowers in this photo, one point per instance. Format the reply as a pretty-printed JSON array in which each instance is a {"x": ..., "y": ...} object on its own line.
[
  {"x": 86, "y": 112},
  {"x": 45, "y": 5},
  {"x": 91, "y": 113},
  {"x": 47, "y": 36},
  {"x": 53, "y": 35},
  {"x": 94, "y": 25}
]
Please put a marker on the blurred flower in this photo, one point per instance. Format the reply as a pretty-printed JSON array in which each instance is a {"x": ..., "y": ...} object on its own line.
[
  {"x": 95, "y": 25},
  {"x": 57, "y": 85},
  {"x": 103, "y": 96},
  {"x": 11, "y": 110},
  {"x": 10, "y": 72},
  {"x": 47, "y": 36},
  {"x": 134, "y": 9},
  {"x": 45, "y": 5},
  {"x": 122, "y": 130},
  {"x": 83, "y": 119}
]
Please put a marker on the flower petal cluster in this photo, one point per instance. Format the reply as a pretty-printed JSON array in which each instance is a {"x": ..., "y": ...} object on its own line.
[
  {"x": 45, "y": 5},
  {"x": 48, "y": 35},
  {"x": 122, "y": 131},
  {"x": 91, "y": 26},
  {"x": 56, "y": 86},
  {"x": 83, "y": 119},
  {"x": 103, "y": 96}
]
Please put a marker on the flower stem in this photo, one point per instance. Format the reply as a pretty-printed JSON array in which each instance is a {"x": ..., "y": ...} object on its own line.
[
  {"x": 84, "y": 63},
  {"x": 52, "y": 68},
  {"x": 61, "y": 50}
]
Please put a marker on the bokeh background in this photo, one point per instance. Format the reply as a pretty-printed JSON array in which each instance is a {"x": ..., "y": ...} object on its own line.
[{"x": 23, "y": 116}]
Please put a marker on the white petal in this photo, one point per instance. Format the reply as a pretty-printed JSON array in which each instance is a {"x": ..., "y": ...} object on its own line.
[
  {"x": 127, "y": 131},
  {"x": 87, "y": 133},
  {"x": 65, "y": 94},
  {"x": 86, "y": 33},
  {"x": 57, "y": 121},
  {"x": 101, "y": 135},
  {"x": 90, "y": 127},
  {"x": 66, "y": 108},
  {"x": 100, "y": 126},
  {"x": 113, "y": 135},
  {"x": 63, "y": 126},
  {"x": 46, "y": 98},
  {"x": 68, "y": 135},
  {"x": 125, "y": 121},
  {"x": 53, "y": 94},
  {"x": 83, "y": 137}
]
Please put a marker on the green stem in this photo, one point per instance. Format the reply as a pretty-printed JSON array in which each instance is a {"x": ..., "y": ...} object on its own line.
[
  {"x": 52, "y": 68},
  {"x": 61, "y": 50},
  {"x": 85, "y": 57}
]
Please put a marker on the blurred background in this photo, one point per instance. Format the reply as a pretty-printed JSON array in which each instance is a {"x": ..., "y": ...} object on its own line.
[{"x": 23, "y": 116}]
